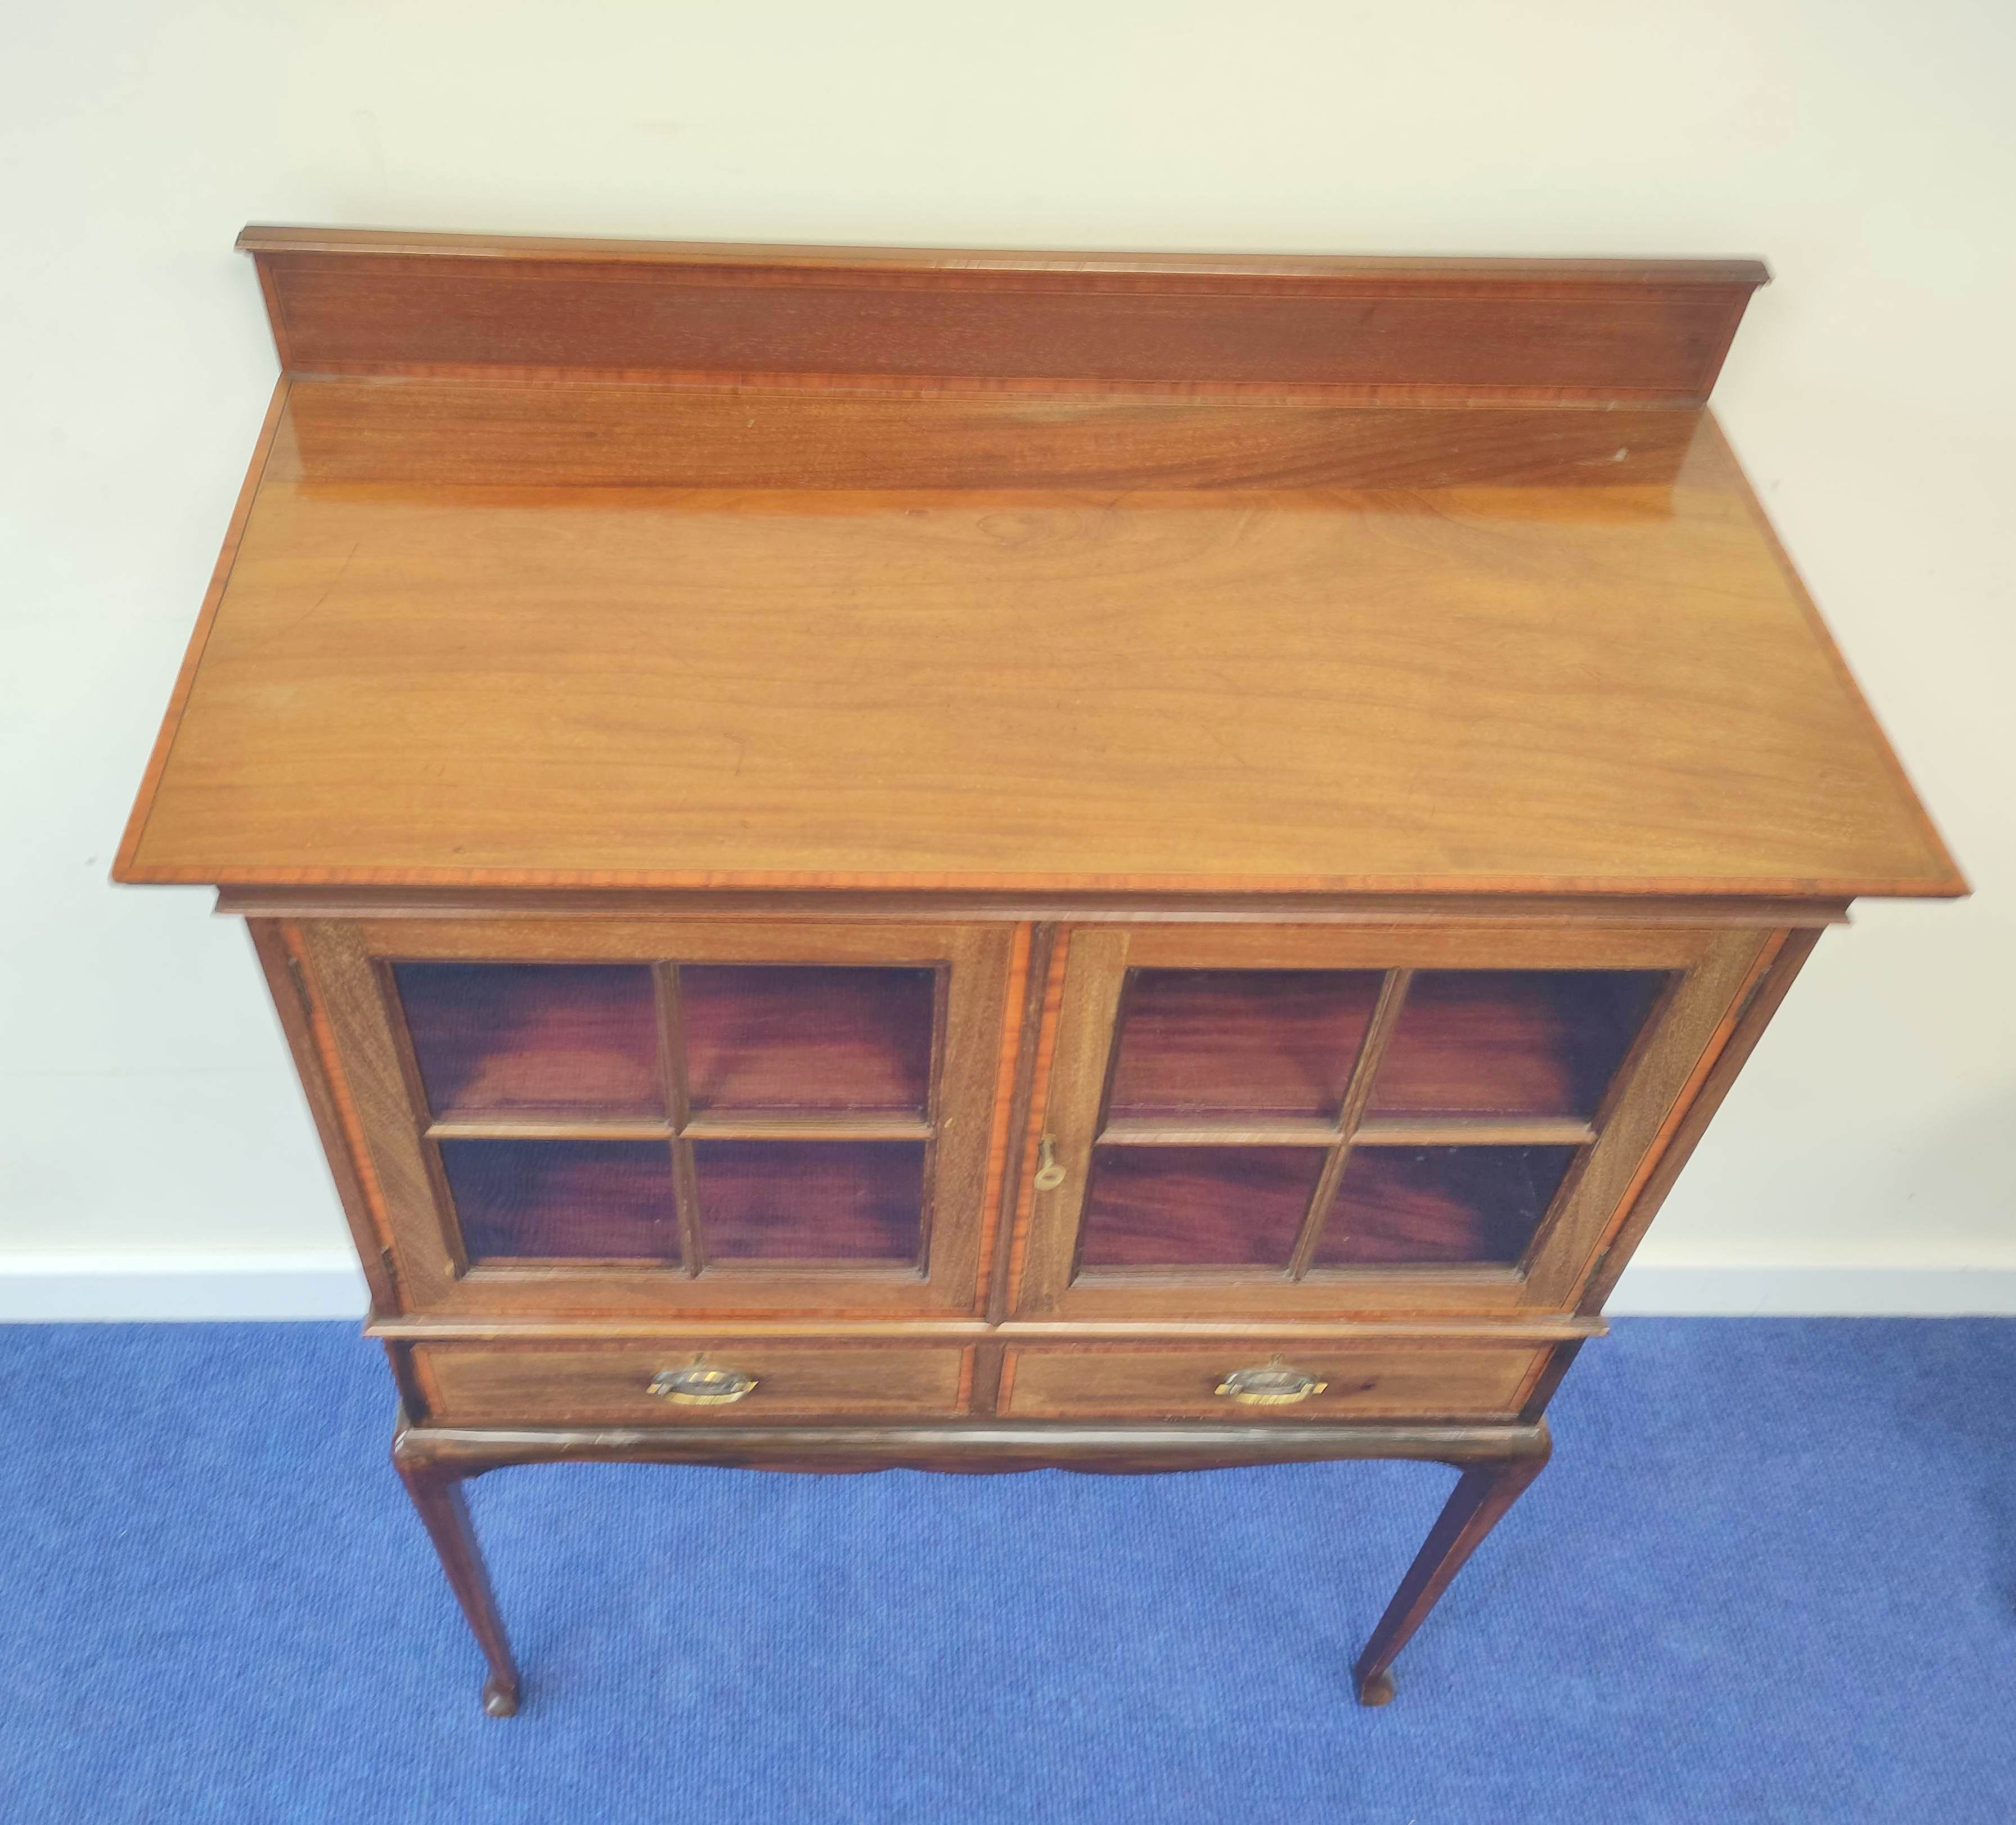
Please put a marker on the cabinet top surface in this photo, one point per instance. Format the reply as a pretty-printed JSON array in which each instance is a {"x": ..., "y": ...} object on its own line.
[{"x": 518, "y": 630}]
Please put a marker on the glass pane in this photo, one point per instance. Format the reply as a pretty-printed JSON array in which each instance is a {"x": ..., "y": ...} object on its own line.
[
  {"x": 502, "y": 1037},
  {"x": 810, "y": 1200},
  {"x": 1220, "y": 1207},
  {"x": 1511, "y": 1042},
  {"x": 776, "y": 1036},
  {"x": 1257, "y": 1042},
  {"x": 1399, "y": 1204},
  {"x": 601, "y": 1200}
]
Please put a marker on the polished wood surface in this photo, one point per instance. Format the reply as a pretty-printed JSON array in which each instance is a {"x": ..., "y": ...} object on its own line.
[
  {"x": 611, "y": 1384},
  {"x": 760, "y": 1037},
  {"x": 452, "y": 434},
  {"x": 811, "y": 1201},
  {"x": 1497, "y": 1462},
  {"x": 1511, "y": 1043},
  {"x": 1192, "y": 1206},
  {"x": 366, "y": 302},
  {"x": 1411, "y": 1206},
  {"x": 1116, "y": 1446},
  {"x": 444, "y": 1511},
  {"x": 1253, "y": 1042},
  {"x": 1478, "y": 1503},
  {"x": 1180, "y": 1381},
  {"x": 1440, "y": 690},
  {"x": 988, "y": 852},
  {"x": 552, "y": 1199}
]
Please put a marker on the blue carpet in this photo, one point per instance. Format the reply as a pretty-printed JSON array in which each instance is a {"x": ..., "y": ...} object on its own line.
[{"x": 1770, "y": 1576}]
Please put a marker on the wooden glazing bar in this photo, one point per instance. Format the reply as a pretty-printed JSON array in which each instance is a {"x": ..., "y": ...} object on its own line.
[
  {"x": 672, "y": 1056},
  {"x": 1357, "y": 1096},
  {"x": 1482, "y": 1130},
  {"x": 453, "y": 1127},
  {"x": 773, "y": 1125},
  {"x": 1220, "y": 1132}
]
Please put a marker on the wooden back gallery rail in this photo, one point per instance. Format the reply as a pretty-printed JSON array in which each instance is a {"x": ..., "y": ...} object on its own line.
[{"x": 889, "y": 857}]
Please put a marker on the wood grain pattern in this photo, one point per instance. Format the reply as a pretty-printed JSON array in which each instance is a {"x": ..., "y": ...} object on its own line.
[
  {"x": 1482, "y": 1494},
  {"x": 346, "y": 303},
  {"x": 1415, "y": 1205},
  {"x": 1315, "y": 691},
  {"x": 1693, "y": 1022},
  {"x": 1014, "y": 1074},
  {"x": 1260, "y": 1041},
  {"x": 762, "y": 1036},
  {"x": 312, "y": 1048},
  {"x": 811, "y": 1201},
  {"x": 453, "y": 434},
  {"x": 437, "y": 1498},
  {"x": 241, "y": 512},
  {"x": 1048, "y": 1013},
  {"x": 529, "y": 1038},
  {"x": 1507, "y": 1042},
  {"x": 1520, "y": 1327},
  {"x": 610, "y": 1384},
  {"x": 1178, "y": 1381},
  {"x": 1688, "y": 1118},
  {"x": 761, "y": 747},
  {"x": 1103, "y": 1446},
  {"x": 727, "y": 905},
  {"x": 1196, "y": 1206},
  {"x": 557, "y": 1200}
]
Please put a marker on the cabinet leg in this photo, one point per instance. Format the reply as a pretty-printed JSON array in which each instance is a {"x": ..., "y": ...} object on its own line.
[
  {"x": 437, "y": 1495},
  {"x": 1482, "y": 1494}
]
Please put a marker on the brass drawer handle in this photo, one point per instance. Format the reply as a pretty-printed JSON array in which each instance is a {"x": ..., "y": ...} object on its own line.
[
  {"x": 1271, "y": 1387},
  {"x": 1049, "y": 1174},
  {"x": 698, "y": 1386}
]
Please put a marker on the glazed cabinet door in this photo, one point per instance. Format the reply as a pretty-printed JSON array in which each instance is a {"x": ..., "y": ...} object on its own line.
[
  {"x": 567, "y": 1119},
  {"x": 1308, "y": 1121}
]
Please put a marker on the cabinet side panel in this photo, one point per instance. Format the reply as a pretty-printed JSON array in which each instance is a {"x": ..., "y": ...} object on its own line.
[
  {"x": 316, "y": 1066},
  {"x": 1691, "y": 1028},
  {"x": 348, "y": 994},
  {"x": 1689, "y": 1119}
]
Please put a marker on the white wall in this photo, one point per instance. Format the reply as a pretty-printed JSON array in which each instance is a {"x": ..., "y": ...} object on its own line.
[{"x": 1865, "y": 150}]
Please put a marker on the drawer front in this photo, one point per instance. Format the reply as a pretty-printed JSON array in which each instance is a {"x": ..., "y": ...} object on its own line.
[
  {"x": 611, "y": 1383},
  {"x": 1182, "y": 1381}
]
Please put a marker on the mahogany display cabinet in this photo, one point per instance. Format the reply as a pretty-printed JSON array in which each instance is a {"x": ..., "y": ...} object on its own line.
[{"x": 976, "y": 860}]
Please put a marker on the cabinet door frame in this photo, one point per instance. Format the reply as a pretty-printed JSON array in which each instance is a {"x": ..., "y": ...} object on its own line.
[
  {"x": 345, "y": 970},
  {"x": 1713, "y": 970}
]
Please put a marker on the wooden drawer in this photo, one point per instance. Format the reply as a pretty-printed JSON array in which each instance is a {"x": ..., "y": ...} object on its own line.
[
  {"x": 611, "y": 1384},
  {"x": 1180, "y": 1381}
]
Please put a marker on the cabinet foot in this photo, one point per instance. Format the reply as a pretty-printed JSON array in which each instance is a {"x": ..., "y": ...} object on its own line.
[
  {"x": 500, "y": 1696},
  {"x": 1376, "y": 1690},
  {"x": 1482, "y": 1494}
]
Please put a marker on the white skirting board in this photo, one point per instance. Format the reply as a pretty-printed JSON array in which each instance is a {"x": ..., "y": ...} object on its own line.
[
  {"x": 54, "y": 1289},
  {"x": 1656, "y": 1289},
  {"x": 129, "y": 1288}
]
